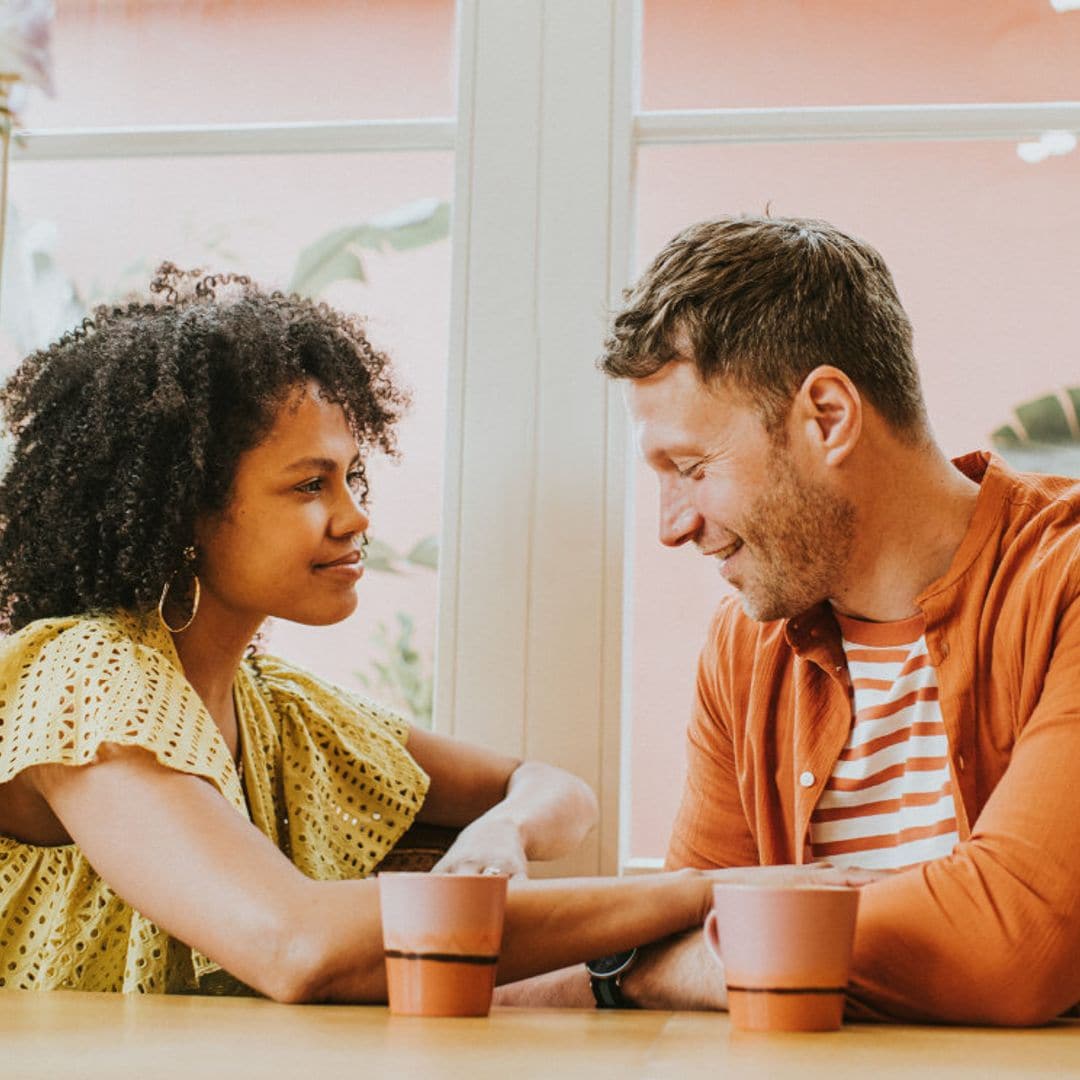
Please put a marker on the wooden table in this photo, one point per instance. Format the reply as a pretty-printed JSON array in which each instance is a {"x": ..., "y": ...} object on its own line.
[{"x": 72, "y": 1036}]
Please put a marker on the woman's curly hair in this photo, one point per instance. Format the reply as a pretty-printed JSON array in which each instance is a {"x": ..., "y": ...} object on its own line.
[{"x": 129, "y": 428}]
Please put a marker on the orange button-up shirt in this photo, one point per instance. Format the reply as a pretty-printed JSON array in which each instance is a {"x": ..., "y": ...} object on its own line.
[{"x": 990, "y": 933}]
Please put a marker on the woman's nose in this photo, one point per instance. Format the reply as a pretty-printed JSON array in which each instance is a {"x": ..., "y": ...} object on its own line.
[{"x": 352, "y": 518}]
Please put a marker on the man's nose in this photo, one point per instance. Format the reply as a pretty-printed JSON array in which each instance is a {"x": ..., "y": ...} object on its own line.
[{"x": 679, "y": 520}]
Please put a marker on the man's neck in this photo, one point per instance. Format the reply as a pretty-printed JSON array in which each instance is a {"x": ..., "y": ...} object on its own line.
[{"x": 913, "y": 516}]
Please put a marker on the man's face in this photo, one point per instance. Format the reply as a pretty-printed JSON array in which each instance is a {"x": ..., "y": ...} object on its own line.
[{"x": 781, "y": 538}]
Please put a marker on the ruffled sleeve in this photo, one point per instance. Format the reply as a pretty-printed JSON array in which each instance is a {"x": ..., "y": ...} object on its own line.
[
  {"x": 329, "y": 776},
  {"x": 68, "y": 686}
]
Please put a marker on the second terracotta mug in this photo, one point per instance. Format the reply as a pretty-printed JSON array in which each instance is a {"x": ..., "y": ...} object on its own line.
[{"x": 786, "y": 953}]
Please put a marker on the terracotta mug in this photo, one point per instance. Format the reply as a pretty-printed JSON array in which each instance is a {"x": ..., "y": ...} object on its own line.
[
  {"x": 441, "y": 937},
  {"x": 786, "y": 953}
]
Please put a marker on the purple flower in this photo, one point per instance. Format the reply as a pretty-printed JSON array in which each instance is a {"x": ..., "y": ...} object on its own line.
[{"x": 24, "y": 42}]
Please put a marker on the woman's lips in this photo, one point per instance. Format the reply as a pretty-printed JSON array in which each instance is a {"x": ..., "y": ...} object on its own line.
[{"x": 349, "y": 566}]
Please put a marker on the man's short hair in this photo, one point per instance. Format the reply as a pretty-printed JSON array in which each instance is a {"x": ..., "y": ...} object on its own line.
[{"x": 760, "y": 302}]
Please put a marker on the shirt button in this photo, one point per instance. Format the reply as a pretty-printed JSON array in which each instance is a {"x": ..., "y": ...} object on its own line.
[
  {"x": 376, "y": 816},
  {"x": 806, "y": 779}
]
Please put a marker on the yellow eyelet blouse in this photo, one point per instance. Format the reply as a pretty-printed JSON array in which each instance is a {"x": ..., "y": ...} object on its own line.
[{"x": 326, "y": 776}]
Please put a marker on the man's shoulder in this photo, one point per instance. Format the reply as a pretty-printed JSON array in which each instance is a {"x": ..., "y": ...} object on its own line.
[
  {"x": 1030, "y": 495},
  {"x": 1043, "y": 530}
]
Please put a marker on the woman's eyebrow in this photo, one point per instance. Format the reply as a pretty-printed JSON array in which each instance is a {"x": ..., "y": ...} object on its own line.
[{"x": 317, "y": 464}]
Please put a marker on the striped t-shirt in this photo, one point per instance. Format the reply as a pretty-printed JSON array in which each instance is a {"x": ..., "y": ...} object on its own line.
[{"x": 889, "y": 802}]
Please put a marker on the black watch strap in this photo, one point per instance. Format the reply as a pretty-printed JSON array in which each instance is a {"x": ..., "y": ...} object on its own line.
[{"x": 605, "y": 975}]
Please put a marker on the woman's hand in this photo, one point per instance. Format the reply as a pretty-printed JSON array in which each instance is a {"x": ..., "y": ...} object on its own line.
[
  {"x": 491, "y": 844},
  {"x": 510, "y": 811}
]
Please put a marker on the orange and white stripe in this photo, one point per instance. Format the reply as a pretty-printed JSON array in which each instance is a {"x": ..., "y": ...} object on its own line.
[{"x": 889, "y": 802}]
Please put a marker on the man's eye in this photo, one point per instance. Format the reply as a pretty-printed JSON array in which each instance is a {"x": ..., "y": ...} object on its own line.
[{"x": 692, "y": 472}]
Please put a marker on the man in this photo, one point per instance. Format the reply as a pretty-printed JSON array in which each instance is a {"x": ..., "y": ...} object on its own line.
[{"x": 894, "y": 688}]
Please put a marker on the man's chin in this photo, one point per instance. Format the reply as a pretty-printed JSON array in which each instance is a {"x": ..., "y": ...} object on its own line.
[{"x": 763, "y": 609}]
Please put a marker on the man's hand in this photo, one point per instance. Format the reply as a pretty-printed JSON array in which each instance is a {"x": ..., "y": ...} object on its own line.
[
  {"x": 490, "y": 843},
  {"x": 682, "y": 973},
  {"x": 816, "y": 873}
]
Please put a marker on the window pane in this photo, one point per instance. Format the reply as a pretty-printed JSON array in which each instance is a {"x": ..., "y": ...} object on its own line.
[
  {"x": 697, "y": 54},
  {"x": 102, "y": 226},
  {"x": 985, "y": 250},
  {"x": 130, "y": 62}
]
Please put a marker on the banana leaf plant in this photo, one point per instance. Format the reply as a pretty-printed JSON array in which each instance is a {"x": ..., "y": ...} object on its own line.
[
  {"x": 335, "y": 256},
  {"x": 1043, "y": 434}
]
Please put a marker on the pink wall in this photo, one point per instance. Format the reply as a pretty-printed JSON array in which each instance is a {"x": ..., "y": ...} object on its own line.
[
  {"x": 230, "y": 61},
  {"x": 749, "y": 53}
]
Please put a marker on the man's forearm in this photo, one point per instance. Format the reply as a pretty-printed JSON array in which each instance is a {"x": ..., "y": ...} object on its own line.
[
  {"x": 567, "y": 988},
  {"x": 677, "y": 973}
]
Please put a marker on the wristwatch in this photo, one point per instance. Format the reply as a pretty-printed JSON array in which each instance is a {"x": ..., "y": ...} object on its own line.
[{"x": 606, "y": 974}]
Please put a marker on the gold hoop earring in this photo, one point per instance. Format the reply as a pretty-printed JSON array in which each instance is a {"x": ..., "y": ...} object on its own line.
[{"x": 189, "y": 559}]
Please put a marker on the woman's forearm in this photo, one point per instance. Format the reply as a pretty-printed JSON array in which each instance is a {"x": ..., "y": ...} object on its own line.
[{"x": 549, "y": 924}]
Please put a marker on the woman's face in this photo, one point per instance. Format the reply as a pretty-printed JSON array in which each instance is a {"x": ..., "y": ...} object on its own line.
[{"x": 286, "y": 545}]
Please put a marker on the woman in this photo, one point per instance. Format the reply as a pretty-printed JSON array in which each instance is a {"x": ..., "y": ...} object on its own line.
[{"x": 176, "y": 812}]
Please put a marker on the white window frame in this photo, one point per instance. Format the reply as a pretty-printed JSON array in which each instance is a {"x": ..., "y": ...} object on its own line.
[{"x": 532, "y": 653}]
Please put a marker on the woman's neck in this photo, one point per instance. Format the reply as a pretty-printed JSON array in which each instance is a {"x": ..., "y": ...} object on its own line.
[{"x": 210, "y": 652}]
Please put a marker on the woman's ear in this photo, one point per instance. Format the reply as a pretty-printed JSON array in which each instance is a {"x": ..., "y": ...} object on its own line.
[{"x": 828, "y": 410}]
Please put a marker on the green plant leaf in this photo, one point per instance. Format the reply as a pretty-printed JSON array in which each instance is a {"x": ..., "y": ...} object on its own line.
[
  {"x": 1044, "y": 435},
  {"x": 1044, "y": 420},
  {"x": 333, "y": 256},
  {"x": 402, "y": 673},
  {"x": 1005, "y": 437},
  {"x": 381, "y": 556},
  {"x": 413, "y": 225},
  {"x": 328, "y": 259},
  {"x": 425, "y": 553}
]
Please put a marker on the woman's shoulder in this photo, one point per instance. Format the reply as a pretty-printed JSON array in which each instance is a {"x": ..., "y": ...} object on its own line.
[
  {"x": 87, "y": 633},
  {"x": 295, "y": 686},
  {"x": 111, "y": 650},
  {"x": 69, "y": 686}
]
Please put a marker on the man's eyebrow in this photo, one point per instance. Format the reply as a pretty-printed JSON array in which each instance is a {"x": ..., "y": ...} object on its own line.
[{"x": 317, "y": 464}]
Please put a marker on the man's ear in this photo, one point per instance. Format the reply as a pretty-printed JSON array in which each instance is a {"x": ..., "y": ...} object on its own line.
[{"x": 828, "y": 413}]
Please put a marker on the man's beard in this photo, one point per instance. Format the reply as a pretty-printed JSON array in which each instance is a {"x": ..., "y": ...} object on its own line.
[{"x": 799, "y": 536}]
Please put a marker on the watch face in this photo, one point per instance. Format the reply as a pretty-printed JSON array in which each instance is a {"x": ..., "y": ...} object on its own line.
[{"x": 610, "y": 965}]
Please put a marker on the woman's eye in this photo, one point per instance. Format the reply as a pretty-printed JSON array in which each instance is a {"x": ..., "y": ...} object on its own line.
[
  {"x": 311, "y": 487},
  {"x": 355, "y": 480}
]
